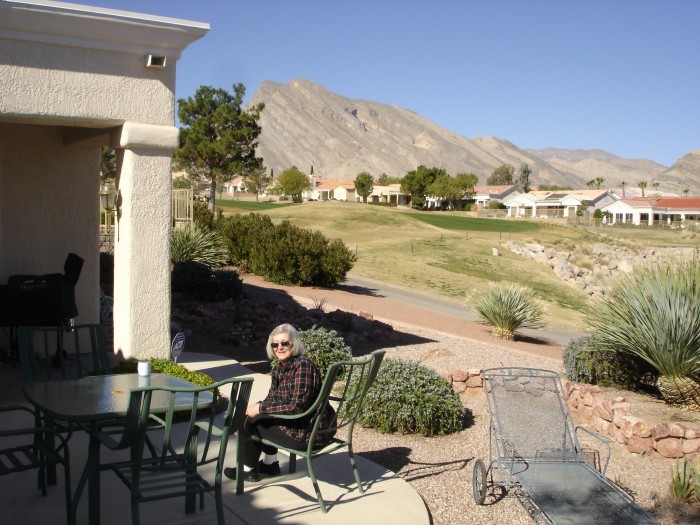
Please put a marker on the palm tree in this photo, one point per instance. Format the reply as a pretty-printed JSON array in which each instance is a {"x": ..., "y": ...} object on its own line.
[
  {"x": 598, "y": 181},
  {"x": 686, "y": 191},
  {"x": 642, "y": 185},
  {"x": 624, "y": 185},
  {"x": 590, "y": 183},
  {"x": 656, "y": 185}
]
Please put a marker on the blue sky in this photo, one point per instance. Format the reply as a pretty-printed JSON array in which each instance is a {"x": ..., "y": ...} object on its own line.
[{"x": 617, "y": 75}]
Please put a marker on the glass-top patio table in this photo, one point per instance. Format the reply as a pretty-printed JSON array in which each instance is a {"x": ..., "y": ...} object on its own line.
[{"x": 89, "y": 401}]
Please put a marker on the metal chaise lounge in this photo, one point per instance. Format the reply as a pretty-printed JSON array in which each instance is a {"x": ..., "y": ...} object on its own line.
[{"x": 534, "y": 449}]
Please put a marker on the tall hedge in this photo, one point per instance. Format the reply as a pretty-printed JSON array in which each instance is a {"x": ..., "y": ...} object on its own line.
[{"x": 284, "y": 253}]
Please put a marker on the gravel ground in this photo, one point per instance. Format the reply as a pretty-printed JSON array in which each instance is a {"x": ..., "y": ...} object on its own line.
[{"x": 440, "y": 468}]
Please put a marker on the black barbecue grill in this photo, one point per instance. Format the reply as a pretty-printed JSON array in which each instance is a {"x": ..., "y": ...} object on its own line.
[{"x": 40, "y": 300}]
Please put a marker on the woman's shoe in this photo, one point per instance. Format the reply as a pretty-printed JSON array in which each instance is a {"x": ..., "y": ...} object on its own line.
[
  {"x": 251, "y": 475},
  {"x": 273, "y": 469}
]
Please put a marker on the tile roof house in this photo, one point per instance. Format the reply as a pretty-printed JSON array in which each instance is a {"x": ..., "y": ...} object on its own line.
[
  {"x": 557, "y": 204},
  {"x": 655, "y": 210},
  {"x": 485, "y": 194}
]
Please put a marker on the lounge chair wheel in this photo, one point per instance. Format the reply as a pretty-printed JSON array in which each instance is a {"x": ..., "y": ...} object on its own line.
[{"x": 479, "y": 482}]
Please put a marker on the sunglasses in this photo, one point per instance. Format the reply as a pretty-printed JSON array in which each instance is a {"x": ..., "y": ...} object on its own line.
[{"x": 283, "y": 343}]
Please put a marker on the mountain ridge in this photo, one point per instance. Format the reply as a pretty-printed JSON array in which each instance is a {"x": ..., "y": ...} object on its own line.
[{"x": 306, "y": 125}]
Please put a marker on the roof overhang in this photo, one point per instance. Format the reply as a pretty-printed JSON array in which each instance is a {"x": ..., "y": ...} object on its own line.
[{"x": 64, "y": 24}]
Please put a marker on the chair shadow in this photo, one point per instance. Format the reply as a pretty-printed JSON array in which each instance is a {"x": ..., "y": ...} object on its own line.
[{"x": 397, "y": 459}]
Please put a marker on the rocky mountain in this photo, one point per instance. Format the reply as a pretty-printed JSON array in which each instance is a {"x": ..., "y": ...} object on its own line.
[
  {"x": 305, "y": 125},
  {"x": 684, "y": 173},
  {"x": 590, "y": 164}
]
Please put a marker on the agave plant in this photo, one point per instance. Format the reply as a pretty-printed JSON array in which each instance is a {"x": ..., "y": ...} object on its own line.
[
  {"x": 507, "y": 307},
  {"x": 202, "y": 246},
  {"x": 654, "y": 313}
]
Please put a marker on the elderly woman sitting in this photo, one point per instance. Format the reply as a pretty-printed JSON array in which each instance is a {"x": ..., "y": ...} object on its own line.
[{"x": 295, "y": 385}]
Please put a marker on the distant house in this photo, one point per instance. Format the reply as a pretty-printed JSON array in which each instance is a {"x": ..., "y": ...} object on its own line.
[
  {"x": 326, "y": 190},
  {"x": 390, "y": 193},
  {"x": 234, "y": 185},
  {"x": 485, "y": 194},
  {"x": 654, "y": 210},
  {"x": 557, "y": 204},
  {"x": 482, "y": 195}
]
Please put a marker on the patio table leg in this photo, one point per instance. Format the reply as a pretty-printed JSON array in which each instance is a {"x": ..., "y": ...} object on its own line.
[{"x": 94, "y": 477}]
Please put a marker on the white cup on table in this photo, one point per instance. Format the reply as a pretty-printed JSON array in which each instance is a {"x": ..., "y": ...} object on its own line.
[{"x": 144, "y": 368}]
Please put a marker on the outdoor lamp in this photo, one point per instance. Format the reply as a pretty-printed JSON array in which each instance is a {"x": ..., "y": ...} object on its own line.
[{"x": 108, "y": 195}]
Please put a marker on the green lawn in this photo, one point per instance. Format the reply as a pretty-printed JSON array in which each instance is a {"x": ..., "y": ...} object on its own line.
[
  {"x": 449, "y": 254},
  {"x": 455, "y": 222},
  {"x": 251, "y": 205}
]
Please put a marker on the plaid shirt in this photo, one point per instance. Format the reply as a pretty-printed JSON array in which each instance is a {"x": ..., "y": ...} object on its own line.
[{"x": 295, "y": 386}]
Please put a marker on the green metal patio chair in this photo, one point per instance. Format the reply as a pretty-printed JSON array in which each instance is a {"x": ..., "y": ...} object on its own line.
[
  {"x": 358, "y": 376},
  {"x": 47, "y": 353},
  {"x": 184, "y": 448},
  {"x": 37, "y": 452}
]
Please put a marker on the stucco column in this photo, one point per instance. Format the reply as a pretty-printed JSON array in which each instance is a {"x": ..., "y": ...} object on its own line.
[{"x": 142, "y": 240}]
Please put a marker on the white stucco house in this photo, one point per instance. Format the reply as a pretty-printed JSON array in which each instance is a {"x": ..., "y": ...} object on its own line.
[
  {"x": 74, "y": 78},
  {"x": 485, "y": 194},
  {"x": 236, "y": 184},
  {"x": 390, "y": 193},
  {"x": 648, "y": 211},
  {"x": 557, "y": 204},
  {"x": 339, "y": 190}
]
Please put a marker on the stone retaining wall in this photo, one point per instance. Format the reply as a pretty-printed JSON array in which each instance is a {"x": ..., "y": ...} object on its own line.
[{"x": 611, "y": 417}]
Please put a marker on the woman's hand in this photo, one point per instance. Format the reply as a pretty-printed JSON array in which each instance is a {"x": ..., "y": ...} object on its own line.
[{"x": 253, "y": 410}]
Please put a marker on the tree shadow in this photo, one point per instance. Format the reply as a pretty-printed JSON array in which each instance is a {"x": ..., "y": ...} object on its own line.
[
  {"x": 239, "y": 328},
  {"x": 358, "y": 290}
]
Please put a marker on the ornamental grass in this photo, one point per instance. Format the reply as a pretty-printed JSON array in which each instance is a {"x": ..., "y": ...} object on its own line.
[
  {"x": 654, "y": 313},
  {"x": 507, "y": 307}
]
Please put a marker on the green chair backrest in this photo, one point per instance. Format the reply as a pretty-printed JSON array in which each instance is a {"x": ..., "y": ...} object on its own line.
[
  {"x": 346, "y": 397},
  {"x": 62, "y": 352},
  {"x": 194, "y": 410}
]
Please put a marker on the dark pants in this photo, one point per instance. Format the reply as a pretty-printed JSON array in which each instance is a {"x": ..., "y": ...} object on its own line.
[{"x": 268, "y": 428}]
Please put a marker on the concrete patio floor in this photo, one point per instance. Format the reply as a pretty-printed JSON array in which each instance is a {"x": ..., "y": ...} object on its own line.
[{"x": 288, "y": 499}]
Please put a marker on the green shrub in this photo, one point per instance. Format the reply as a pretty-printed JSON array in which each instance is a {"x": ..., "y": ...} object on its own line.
[
  {"x": 685, "y": 481},
  {"x": 284, "y": 253},
  {"x": 507, "y": 307},
  {"x": 197, "y": 282},
  {"x": 654, "y": 313},
  {"x": 203, "y": 217},
  {"x": 166, "y": 366},
  {"x": 410, "y": 398},
  {"x": 325, "y": 347},
  {"x": 586, "y": 362},
  {"x": 195, "y": 244}
]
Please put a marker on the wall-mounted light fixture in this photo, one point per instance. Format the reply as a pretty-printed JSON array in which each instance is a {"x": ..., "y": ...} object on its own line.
[
  {"x": 109, "y": 200},
  {"x": 108, "y": 195},
  {"x": 155, "y": 62}
]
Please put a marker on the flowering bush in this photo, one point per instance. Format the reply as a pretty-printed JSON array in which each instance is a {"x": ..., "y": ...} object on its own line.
[
  {"x": 324, "y": 347},
  {"x": 410, "y": 398}
]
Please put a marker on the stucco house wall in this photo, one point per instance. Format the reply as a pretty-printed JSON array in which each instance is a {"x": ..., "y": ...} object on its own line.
[
  {"x": 37, "y": 227},
  {"x": 74, "y": 78}
]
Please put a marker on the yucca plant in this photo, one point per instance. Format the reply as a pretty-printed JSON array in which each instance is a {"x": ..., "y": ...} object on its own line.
[
  {"x": 685, "y": 481},
  {"x": 198, "y": 245},
  {"x": 654, "y": 313},
  {"x": 507, "y": 307}
]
